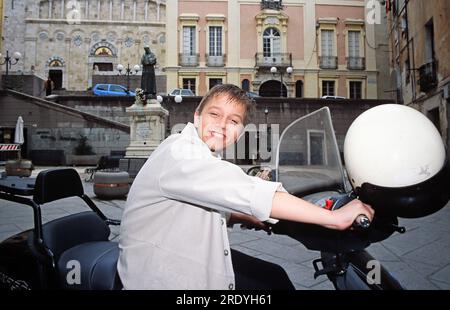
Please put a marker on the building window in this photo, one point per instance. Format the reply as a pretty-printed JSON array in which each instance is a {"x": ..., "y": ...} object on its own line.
[
  {"x": 271, "y": 42},
  {"x": 327, "y": 42},
  {"x": 214, "y": 81},
  {"x": 327, "y": 60},
  {"x": 353, "y": 43},
  {"x": 355, "y": 89},
  {"x": 316, "y": 147},
  {"x": 189, "y": 40},
  {"x": 103, "y": 66},
  {"x": 215, "y": 41},
  {"x": 328, "y": 88},
  {"x": 246, "y": 85},
  {"x": 429, "y": 42},
  {"x": 189, "y": 83},
  {"x": 354, "y": 60},
  {"x": 299, "y": 89}
]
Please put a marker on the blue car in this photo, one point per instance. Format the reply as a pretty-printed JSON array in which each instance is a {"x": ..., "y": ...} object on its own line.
[{"x": 112, "y": 90}]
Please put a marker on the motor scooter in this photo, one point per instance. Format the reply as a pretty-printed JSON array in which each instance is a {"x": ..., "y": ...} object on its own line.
[{"x": 308, "y": 164}]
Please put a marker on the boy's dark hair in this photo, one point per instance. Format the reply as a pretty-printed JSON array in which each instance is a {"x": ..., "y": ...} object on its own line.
[{"x": 235, "y": 95}]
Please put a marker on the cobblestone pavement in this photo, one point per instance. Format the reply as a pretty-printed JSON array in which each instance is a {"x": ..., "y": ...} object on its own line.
[{"x": 419, "y": 259}]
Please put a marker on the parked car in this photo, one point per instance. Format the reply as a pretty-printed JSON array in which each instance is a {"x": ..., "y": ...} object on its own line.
[
  {"x": 181, "y": 92},
  {"x": 333, "y": 97},
  {"x": 112, "y": 90},
  {"x": 252, "y": 94}
]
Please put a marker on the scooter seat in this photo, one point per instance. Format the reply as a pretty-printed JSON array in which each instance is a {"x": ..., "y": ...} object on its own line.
[{"x": 90, "y": 266}]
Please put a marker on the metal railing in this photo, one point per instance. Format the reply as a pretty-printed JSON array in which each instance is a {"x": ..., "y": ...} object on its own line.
[
  {"x": 273, "y": 59},
  {"x": 428, "y": 76},
  {"x": 328, "y": 62},
  {"x": 188, "y": 60},
  {"x": 215, "y": 61},
  {"x": 356, "y": 63},
  {"x": 271, "y": 5}
]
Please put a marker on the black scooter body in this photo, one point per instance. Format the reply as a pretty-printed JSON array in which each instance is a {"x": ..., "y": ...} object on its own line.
[{"x": 42, "y": 257}]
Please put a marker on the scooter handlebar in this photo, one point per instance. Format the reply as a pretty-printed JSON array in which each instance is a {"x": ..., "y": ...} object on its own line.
[{"x": 361, "y": 222}]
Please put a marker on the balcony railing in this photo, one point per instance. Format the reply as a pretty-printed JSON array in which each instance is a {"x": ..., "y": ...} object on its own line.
[
  {"x": 356, "y": 63},
  {"x": 427, "y": 77},
  {"x": 215, "y": 61},
  {"x": 328, "y": 62},
  {"x": 273, "y": 60},
  {"x": 187, "y": 60},
  {"x": 271, "y": 4}
]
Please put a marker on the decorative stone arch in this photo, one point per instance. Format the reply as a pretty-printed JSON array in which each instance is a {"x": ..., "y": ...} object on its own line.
[
  {"x": 55, "y": 61},
  {"x": 43, "y": 35},
  {"x": 102, "y": 52},
  {"x": 161, "y": 38},
  {"x": 271, "y": 88},
  {"x": 103, "y": 44},
  {"x": 270, "y": 19},
  {"x": 77, "y": 31},
  {"x": 55, "y": 67}
]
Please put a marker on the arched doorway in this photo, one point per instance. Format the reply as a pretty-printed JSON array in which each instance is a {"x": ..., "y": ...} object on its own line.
[
  {"x": 299, "y": 89},
  {"x": 245, "y": 85},
  {"x": 56, "y": 76},
  {"x": 272, "y": 88},
  {"x": 55, "y": 67}
]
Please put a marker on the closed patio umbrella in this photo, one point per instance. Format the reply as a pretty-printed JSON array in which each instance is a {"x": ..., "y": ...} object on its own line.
[{"x": 18, "y": 136}]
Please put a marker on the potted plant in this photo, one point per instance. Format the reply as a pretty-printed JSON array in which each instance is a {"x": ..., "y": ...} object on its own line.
[{"x": 83, "y": 154}]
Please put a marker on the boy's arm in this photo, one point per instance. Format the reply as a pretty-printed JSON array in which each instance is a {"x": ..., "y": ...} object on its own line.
[{"x": 289, "y": 207}]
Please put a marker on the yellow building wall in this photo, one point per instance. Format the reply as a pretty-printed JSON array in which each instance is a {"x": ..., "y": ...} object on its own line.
[{"x": 1, "y": 25}]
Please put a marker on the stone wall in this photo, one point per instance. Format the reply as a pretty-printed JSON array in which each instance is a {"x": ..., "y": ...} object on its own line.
[
  {"x": 24, "y": 83},
  {"x": 53, "y": 127}
]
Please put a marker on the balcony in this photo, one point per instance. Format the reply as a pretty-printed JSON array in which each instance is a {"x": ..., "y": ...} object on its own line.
[
  {"x": 428, "y": 77},
  {"x": 215, "y": 61},
  {"x": 328, "y": 62},
  {"x": 188, "y": 60},
  {"x": 273, "y": 60},
  {"x": 271, "y": 5},
  {"x": 356, "y": 63}
]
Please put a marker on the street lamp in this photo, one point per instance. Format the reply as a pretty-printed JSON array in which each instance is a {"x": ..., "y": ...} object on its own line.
[
  {"x": 9, "y": 61},
  {"x": 274, "y": 70},
  {"x": 177, "y": 99},
  {"x": 128, "y": 72},
  {"x": 269, "y": 129}
]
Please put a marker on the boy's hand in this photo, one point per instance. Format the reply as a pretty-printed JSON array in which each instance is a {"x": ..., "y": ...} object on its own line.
[
  {"x": 265, "y": 174},
  {"x": 345, "y": 216}
]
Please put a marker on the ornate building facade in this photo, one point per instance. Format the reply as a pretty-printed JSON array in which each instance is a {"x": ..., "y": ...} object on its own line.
[
  {"x": 419, "y": 58},
  {"x": 72, "y": 40},
  {"x": 294, "y": 48}
]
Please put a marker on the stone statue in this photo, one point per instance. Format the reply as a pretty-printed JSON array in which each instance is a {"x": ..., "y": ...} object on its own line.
[{"x": 148, "y": 81}]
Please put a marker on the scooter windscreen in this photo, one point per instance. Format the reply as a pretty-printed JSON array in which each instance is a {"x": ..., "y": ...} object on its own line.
[
  {"x": 307, "y": 158},
  {"x": 308, "y": 164}
]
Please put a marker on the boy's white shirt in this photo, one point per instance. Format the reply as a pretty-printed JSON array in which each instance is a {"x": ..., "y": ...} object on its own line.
[{"x": 173, "y": 231}]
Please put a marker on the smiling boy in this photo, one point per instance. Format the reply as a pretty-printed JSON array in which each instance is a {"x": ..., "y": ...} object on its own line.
[{"x": 174, "y": 226}]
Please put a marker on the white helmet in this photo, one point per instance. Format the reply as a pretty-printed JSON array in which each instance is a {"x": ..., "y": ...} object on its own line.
[{"x": 391, "y": 151}]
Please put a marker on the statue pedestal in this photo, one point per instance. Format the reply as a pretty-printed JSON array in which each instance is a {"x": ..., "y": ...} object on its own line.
[{"x": 147, "y": 131}]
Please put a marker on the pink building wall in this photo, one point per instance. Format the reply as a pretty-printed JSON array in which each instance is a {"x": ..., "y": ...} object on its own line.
[
  {"x": 249, "y": 38},
  {"x": 199, "y": 8},
  {"x": 295, "y": 31},
  {"x": 249, "y": 43},
  {"x": 341, "y": 13}
]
